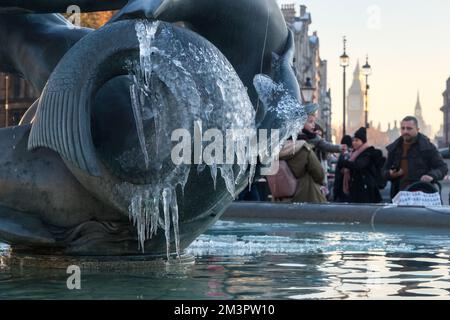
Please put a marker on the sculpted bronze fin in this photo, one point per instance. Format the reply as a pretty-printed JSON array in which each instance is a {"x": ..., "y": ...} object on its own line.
[{"x": 63, "y": 119}]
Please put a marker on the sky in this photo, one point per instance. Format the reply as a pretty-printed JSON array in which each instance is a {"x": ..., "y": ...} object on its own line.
[{"x": 408, "y": 44}]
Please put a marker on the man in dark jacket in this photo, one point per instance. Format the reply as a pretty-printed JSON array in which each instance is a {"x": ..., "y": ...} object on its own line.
[{"x": 412, "y": 158}]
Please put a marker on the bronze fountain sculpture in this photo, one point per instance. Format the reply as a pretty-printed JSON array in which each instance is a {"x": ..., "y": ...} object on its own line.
[{"x": 88, "y": 172}]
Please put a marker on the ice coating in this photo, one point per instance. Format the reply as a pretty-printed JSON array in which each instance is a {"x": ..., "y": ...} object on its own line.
[
  {"x": 213, "y": 169},
  {"x": 167, "y": 200},
  {"x": 145, "y": 34},
  {"x": 137, "y": 112},
  {"x": 179, "y": 84},
  {"x": 176, "y": 84},
  {"x": 285, "y": 111},
  {"x": 146, "y": 202}
]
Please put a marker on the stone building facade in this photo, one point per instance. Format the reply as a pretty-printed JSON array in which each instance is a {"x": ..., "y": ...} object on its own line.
[
  {"x": 16, "y": 96},
  {"x": 308, "y": 63},
  {"x": 445, "y": 139}
]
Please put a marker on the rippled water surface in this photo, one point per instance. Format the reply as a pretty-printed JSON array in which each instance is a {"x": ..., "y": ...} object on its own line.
[{"x": 244, "y": 260}]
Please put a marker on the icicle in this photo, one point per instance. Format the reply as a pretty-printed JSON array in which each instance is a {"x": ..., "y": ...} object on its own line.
[
  {"x": 138, "y": 219},
  {"x": 228, "y": 177},
  {"x": 176, "y": 231},
  {"x": 213, "y": 169},
  {"x": 167, "y": 194},
  {"x": 253, "y": 158},
  {"x": 148, "y": 212},
  {"x": 251, "y": 176},
  {"x": 145, "y": 32},
  {"x": 155, "y": 214},
  {"x": 242, "y": 160},
  {"x": 137, "y": 111},
  {"x": 182, "y": 177}
]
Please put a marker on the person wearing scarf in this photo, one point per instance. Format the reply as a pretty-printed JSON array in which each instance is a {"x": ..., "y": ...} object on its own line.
[
  {"x": 312, "y": 134},
  {"x": 359, "y": 182},
  {"x": 338, "y": 193},
  {"x": 306, "y": 168}
]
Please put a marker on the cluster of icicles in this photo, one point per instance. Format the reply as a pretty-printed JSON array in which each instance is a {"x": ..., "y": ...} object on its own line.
[{"x": 186, "y": 72}]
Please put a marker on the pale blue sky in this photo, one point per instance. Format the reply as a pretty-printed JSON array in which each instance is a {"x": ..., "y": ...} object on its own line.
[{"x": 408, "y": 44}]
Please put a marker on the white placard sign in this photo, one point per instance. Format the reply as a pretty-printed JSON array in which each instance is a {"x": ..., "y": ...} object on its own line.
[{"x": 406, "y": 198}]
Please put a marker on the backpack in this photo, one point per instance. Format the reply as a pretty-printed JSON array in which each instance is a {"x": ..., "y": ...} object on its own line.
[{"x": 379, "y": 160}]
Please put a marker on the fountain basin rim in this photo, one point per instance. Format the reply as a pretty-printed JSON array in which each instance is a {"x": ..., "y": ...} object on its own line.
[{"x": 364, "y": 214}]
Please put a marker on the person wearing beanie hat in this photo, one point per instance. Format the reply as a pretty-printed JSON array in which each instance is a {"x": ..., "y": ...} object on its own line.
[
  {"x": 347, "y": 140},
  {"x": 361, "y": 134},
  {"x": 360, "y": 179}
]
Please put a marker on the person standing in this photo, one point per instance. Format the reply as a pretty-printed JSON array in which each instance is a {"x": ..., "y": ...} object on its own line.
[
  {"x": 412, "y": 158},
  {"x": 313, "y": 133},
  {"x": 307, "y": 170},
  {"x": 338, "y": 193},
  {"x": 359, "y": 178}
]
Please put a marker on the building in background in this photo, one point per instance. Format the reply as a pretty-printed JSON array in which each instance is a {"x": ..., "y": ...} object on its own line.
[
  {"x": 444, "y": 140},
  {"x": 424, "y": 127},
  {"x": 16, "y": 96},
  {"x": 393, "y": 133},
  {"x": 307, "y": 61},
  {"x": 308, "y": 64},
  {"x": 356, "y": 115},
  {"x": 95, "y": 20},
  {"x": 355, "y": 104},
  {"x": 439, "y": 138}
]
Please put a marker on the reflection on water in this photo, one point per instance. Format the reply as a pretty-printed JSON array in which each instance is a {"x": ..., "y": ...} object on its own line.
[{"x": 240, "y": 260}]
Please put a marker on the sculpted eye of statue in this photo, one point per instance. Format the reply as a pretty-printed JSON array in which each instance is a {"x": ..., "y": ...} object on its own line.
[{"x": 90, "y": 170}]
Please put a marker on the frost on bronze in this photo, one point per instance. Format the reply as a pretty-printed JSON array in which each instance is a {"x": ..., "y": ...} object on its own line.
[{"x": 88, "y": 172}]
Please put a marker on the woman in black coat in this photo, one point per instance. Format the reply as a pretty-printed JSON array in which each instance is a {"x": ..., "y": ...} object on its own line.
[{"x": 359, "y": 181}]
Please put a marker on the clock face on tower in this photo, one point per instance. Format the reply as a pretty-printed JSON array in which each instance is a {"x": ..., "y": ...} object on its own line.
[
  {"x": 355, "y": 103},
  {"x": 355, "y": 111}
]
